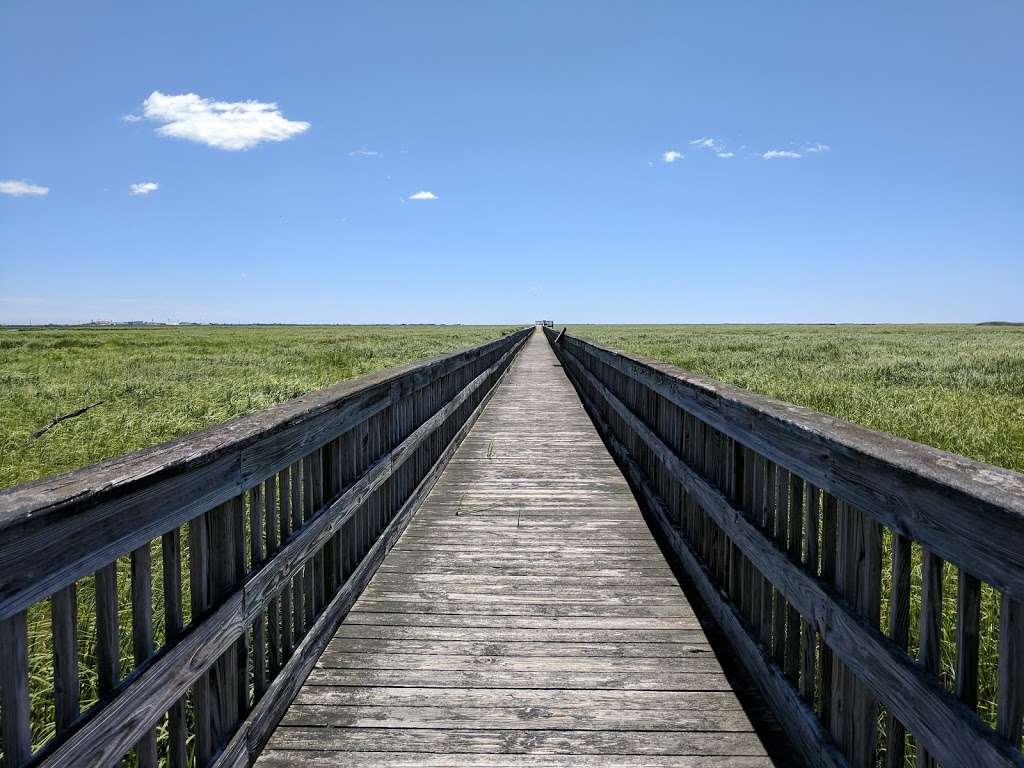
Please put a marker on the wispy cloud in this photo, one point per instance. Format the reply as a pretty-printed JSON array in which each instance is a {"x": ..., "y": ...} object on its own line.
[
  {"x": 423, "y": 195},
  {"x": 228, "y": 125},
  {"x": 772, "y": 154},
  {"x": 143, "y": 188},
  {"x": 817, "y": 148},
  {"x": 671, "y": 156},
  {"x": 132, "y": 118},
  {"x": 712, "y": 145},
  {"x": 364, "y": 153},
  {"x": 22, "y": 188}
]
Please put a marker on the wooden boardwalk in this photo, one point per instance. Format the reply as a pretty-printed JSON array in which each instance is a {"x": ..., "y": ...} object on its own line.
[{"x": 525, "y": 618}]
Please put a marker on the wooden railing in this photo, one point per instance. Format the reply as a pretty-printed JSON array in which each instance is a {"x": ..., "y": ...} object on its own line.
[
  {"x": 824, "y": 550},
  {"x": 261, "y": 533}
]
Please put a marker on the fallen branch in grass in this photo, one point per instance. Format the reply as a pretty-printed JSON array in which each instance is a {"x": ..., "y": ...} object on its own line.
[{"x": 58, "y": 419}]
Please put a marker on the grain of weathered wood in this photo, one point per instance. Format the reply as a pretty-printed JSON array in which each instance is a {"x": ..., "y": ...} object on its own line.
[
  {"x": 142, "y": 636},
  {"x": 17, "y": 729},
  {"x": 499, "y": 584},
  {"x": 108, "y": 656},
  {"x": 66, "y": 686}
]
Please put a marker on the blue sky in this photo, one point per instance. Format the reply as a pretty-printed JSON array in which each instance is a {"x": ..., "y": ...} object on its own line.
[{"x": 541, "y": 128}]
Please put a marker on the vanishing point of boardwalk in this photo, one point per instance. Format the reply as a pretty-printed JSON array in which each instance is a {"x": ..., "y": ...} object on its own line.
[{"x": 526, "y": 617}]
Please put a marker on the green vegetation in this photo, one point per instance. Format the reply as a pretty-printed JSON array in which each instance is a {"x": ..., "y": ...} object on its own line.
[
  {"x": 956, "y": 387},
  {"x": 158, "y": 383}
]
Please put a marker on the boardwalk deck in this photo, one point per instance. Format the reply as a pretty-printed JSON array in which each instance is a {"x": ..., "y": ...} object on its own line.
[{"x": 526, "y": 617}]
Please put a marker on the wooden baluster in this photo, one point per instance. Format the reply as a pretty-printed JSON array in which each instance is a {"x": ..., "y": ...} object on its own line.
[
  {"x": 14, "y": 701},
  {"x": 808, "y": 666},
  {"x": 795, "y": 525},
  {"x": 298, "y": 608},
  {"x": 237, "y": 507},
  {"x": 968, "y": 632},
  {"x": 768, "y": 516},
  {"x": 781, "y": 541},
  {"x": 829, "y": 536},
  {"x": 285, "y": 527},
  {"x": 931, "y": 628},
  {"x": 866, "y": 597},
  {"x": 177, "y": 731},
  {"x": 899, "y": 632},
  {"x": 108, "y": 653},
  {"x": 270, "y": 525},
  {"x": 199, "y": 584},
  {"x": 309, "y": 579},
  {"x": 259, "y": 632},
  {"x": 1010, "y": 673},
  {"x": 66, "y": 686},
  {"x": 223, "y": 673},
  {"x": 142, "y": 635}
]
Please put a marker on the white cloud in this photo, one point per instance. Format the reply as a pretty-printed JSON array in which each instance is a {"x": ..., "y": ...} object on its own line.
[
  {"x": 229, "y": 125},
  {"x": 671, "y": 156},
  {"x": 423, "y": 195},
  {"x": 771, "y": 154},
  {"x": 364, "y": 153},
  {"x": 22, "y": 188},
  {"x": 817, "y": 148},
  {"x": 143, "y": 188},
  {"x": 132, "y": 118},
  {"x": 711, "y": 144}
]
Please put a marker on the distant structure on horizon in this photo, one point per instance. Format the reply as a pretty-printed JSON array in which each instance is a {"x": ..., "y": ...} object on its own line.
[{"x": 545, "y": 323}]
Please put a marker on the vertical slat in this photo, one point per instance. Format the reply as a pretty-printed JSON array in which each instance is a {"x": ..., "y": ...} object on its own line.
[
  {"x": 899, "y": 632},
  {"x": 142, "y": 635},
  {"x": 241, "y": 677},
  {"x": 867, "y": 599},
  {"x": 66, "y": 686},
  {"x": 17, "y": 728},
  {"x": 108, "y": 661},
  {"x": 841, "y": 719},
  {"x": 1010, "y": 673},
  {"x": 223, "y": 673},
  {"x": 968, "y": 632},
  {"x": 829, "y": 536},
  {"x": 259, "y": 642},
  {"x": 173, "y": 626},
  {"x": 284, "y": 518},
  {"x": 298, "y": 626},
  {"x": 199, "y": 584},
  {"x": 808, "y": 669},
  {"x": 931, "y": 627},
  {"x": 273, "y": 615},
  {"x": 768, "y": 521},
  {"x": 795, "y": 527},
  {"x": 781, "y": 540}
]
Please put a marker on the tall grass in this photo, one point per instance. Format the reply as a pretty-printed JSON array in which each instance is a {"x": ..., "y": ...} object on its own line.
[{"x": 159, "y": 383}]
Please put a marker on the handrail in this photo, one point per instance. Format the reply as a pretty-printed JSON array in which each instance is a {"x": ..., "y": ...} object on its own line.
[
  {"x": 779, "y": 515},
  {"x": 285, "y": 514}
]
